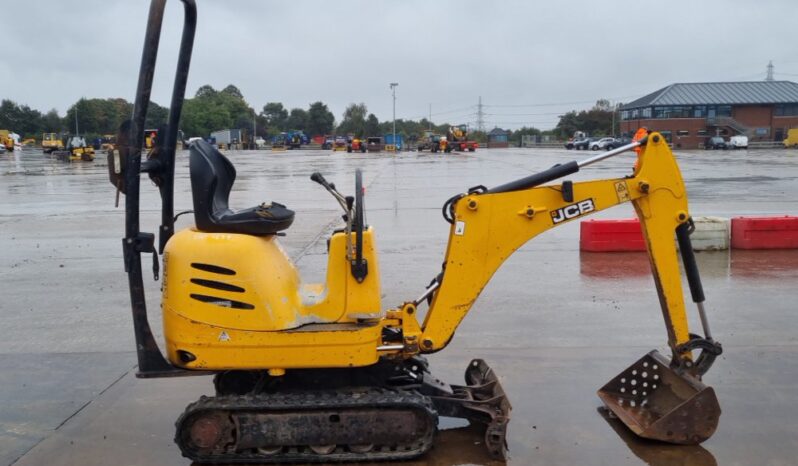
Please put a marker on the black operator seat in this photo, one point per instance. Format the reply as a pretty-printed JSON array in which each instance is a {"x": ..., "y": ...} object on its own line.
[{"x": 212, "y": 177}]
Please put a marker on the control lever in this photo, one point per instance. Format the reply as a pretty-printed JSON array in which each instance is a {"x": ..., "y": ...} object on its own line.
[
  {"x": 319, "y": 178},
  {"x": 330, "y": 187}
]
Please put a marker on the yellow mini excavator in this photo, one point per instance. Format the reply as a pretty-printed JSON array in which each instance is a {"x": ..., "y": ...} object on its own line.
[{"x": 321, "y": 372}]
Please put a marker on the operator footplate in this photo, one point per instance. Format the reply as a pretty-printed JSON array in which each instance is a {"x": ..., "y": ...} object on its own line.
[
  {"x": 369, "y": 424},
  {"x": 656, "y": 402}
]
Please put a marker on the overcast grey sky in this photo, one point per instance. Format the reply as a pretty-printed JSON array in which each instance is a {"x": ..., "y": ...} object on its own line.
[{"x": 520, "y": 56}]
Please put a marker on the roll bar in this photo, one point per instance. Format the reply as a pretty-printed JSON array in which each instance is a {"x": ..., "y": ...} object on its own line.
[{"x": 151, "y": 361}]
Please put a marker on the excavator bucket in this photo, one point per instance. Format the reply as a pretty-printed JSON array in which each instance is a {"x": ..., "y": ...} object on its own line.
[{"x": 656, "y": 402}]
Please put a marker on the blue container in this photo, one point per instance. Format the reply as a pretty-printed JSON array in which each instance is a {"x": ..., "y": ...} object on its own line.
[{"x": 399, "y": 140}]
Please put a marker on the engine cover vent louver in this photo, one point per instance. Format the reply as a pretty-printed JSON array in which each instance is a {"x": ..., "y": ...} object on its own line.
[
  {"x": 216, "y": 285},
  {"x": 222, "y": 302},
  {"x": 213, "y": 268}
]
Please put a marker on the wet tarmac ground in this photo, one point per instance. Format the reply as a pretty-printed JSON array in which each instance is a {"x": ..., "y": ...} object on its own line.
[{"x": 554, "y": 323}]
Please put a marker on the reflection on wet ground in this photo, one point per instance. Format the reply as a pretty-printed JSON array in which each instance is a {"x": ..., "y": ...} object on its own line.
[
  {"x": 554, "y": 323},
  {"x": 658, "y": 453},
  {"x": 614, "y": 266},
  {"x": 762, "y": 263}
]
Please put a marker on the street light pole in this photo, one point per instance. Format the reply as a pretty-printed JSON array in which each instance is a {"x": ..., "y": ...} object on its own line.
[
  {"x": 393, "y": 91},
  {"x": 614, "y": 108}
]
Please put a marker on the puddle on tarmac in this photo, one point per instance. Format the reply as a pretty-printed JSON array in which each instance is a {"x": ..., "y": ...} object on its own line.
[
  {"x": 736, "y": 263},
  {"x": 658, "y": 453}
]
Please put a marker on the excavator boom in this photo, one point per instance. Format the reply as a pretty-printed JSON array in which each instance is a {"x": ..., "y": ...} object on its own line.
[{"x": 488, "y": 225}]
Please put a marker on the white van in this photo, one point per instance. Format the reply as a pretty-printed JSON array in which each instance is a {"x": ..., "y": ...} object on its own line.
[{"x": 738, "y": 142}]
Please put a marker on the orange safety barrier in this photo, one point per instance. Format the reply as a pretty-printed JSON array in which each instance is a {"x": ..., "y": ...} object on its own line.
[
  {"x": 764, "y": 232},
  {"x": 616, "y": 235}
]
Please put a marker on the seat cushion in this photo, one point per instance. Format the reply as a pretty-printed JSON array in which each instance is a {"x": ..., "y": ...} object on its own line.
[{"x": 265, "y": 219}]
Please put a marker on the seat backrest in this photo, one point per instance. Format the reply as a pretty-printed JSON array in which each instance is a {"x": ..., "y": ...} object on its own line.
[{"x": 212, "y": 177}]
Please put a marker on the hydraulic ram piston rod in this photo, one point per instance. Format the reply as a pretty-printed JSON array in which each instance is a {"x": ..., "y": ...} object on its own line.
[
  {"x": 560, "y": 170},
  {"x": 611, "y": 153}
]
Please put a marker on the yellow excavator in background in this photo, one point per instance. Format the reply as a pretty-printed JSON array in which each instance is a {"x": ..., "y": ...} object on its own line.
[
  {"x": 51, "y": 142},
  {"x": 76, "y": 150},
  {"x": 7, "y": 139},
  {"x": 322, "y": 372}
]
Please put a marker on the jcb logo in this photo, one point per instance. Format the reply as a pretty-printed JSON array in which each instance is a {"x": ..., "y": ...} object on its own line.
[{"x": 572, "y": 211}]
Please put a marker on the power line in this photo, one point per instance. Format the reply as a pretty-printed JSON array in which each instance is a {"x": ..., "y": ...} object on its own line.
[
  {"x": 524, "y": 114},
  {"x": 445, "y": 112},
  {"x": 555, "y": 104},
  {"x": 519, "y": 122},
  {"x": 454, "y": 110}
]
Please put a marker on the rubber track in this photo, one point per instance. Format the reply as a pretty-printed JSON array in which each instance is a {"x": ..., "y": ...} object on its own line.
[{"x": 310, "y": 401}]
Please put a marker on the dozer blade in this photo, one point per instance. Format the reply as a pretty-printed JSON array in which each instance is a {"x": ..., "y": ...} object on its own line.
[
  {"x": 658, "y": 403},
  {"x": 481, "y": 400}
]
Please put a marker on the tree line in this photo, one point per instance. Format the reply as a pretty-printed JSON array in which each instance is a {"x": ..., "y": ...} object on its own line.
[
  {"x": 210, "y": 110},
  {"x": 596, "y": 121}
]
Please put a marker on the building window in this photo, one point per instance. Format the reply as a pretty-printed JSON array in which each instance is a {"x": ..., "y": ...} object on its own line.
[
  {"x": 667, "y": 135},
  {"x": 647, "y": 112},
  {"x": 624, "y": 114},
  {"x": 762, "y": 131},
  {"x": 785, "y": 110},
  {"x": 681, "y": 112},
  {"x": 699, "y": 111},
  {"x": 718, "y": 111},
  {"x": 675, "y": 111},
  {"x": 702, "y": 132},
  {"x": 636, "y": 114},
  {"x": 682, "y": 133}
]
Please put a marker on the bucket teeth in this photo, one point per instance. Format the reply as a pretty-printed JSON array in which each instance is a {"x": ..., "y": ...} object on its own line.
[{"x": 656, "y": 402}]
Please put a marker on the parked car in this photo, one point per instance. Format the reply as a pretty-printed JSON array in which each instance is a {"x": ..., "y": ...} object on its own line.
[
  {"x": 715, "y": 142},
  {"x": 601, "y": 143},
  {"x": 618, "y": 142},
  {"x": 578, "y": 144},
  {"x": 738, "y": 142}
]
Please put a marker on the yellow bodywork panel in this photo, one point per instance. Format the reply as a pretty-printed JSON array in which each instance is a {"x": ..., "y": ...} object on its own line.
[
  {"x": 489, "y": 227},
  {"x": 311, "y": 346},
  {"x": 236, "y": 301}
]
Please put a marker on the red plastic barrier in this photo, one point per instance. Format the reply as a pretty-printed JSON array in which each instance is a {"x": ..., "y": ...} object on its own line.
[
  {"x": 616, "y": 235},
  {"x": 764, "y": 232}
]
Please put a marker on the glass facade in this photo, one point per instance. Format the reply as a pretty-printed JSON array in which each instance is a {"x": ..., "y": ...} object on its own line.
[
  {"x": 785, "y": 110},
  {"x": 688, "y": 111}
]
